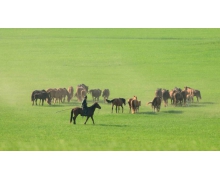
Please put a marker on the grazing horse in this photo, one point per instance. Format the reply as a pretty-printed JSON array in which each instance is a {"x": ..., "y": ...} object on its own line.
[
  {"x": 76, "y": 111},
  {"x": 64, "y": 94},
  {"x": 79, "y": 93},
  {"x": 42, "y": 95},
  {"x": 117, "y": 102},
  {"x": 96, "y": 93},
  {"x": 71, "y": 91},
  {"x": 105, "y": 94}
]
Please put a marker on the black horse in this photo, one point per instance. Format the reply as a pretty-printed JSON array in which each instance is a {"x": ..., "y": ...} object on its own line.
[
  {"x": 90, "y": 111},
  {"x": 42, "y": 95},
  {"x": 118, "y": 102}
]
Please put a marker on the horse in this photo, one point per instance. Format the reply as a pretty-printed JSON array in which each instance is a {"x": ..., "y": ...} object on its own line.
[
  {"x": 197, "y": 94},
  {"x": 77, "y": 110},
  {"x": 133, "y": 104},
  {"x": 42, "y": 95},
  {"x": 65, "y": 93},
  {"x": 70, "y": 90},
  {"x": 155, "y": 103},
  {"x": 105, "y": 94},
  {"x": 117, "y": 102}
]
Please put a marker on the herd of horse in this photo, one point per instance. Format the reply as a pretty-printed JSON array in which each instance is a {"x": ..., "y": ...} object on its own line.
[
  {"x": 58, "y": 95},
  {"x": 176, "y": 95}
]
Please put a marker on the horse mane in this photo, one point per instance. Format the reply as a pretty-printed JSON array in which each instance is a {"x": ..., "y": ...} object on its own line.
[{"x": 93, "y": 105}]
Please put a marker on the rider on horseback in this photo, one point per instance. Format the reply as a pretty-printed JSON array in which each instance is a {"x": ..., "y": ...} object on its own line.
[{"x": 84, "y": 106}]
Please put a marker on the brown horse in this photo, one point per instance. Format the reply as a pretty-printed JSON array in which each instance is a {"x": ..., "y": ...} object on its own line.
[
  {"x": 133, "y": 104},
  {"x": 71, "y": 91},
  {"x": 117, "y": 102},
  {"x": 76, "y": 111}
]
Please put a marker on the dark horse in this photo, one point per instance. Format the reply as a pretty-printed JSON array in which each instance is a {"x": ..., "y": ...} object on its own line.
[
  {"x": 42, "y": 95},
  {"x": 76, "y": 111},
  {"x": 117, "y": 102}
]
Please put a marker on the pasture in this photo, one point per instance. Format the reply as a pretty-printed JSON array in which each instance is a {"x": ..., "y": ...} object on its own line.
[{"x": 127, "y": 61}]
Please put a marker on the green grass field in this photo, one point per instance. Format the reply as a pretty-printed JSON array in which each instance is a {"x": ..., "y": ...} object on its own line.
[{"x": 127, "y": 61}]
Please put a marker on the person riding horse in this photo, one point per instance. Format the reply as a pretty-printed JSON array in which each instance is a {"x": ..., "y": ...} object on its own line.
[{"x": 84, "y": 106}]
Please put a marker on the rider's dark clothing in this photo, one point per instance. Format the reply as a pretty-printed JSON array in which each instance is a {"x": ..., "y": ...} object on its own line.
[{"x": 84, "y": 106}]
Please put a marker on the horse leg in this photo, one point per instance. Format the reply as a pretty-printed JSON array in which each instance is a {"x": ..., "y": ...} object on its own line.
[
  {"x": 71, "y": 115},
  {"x": 122, "y": 108},
  {"x": 92, "y": 120},
  {"x": 112, "y": 108},
  {"x": 86, "y": 120},
  {"x": 74, "y": 119}
]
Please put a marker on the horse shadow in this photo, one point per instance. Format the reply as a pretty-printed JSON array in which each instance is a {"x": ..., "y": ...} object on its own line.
[
  {"x": 111, "y": 125},
  {"x": 172, "y": 112},
  {"x": 149, "y": 112},
  {"x": 200, "y": 104},
  {"x": 205, "y": 103},
  {"x": 161, "y": 112},
  {"x": 64, "y": 104}
]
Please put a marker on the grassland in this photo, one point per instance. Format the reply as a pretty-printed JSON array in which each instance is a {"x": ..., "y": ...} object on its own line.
[{"x": 128, "y": 62}]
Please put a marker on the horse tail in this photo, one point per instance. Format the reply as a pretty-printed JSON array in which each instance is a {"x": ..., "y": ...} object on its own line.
[
  {"x": 32, "y": 96},
  {"x": 71, "y": 116},
  {"x": 109, "y": 101}
]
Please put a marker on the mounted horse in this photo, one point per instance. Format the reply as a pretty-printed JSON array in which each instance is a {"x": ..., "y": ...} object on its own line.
[{"x": 90, "y": 112}]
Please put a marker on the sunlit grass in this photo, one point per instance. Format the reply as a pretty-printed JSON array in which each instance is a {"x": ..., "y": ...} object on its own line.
[{"x": 127, "y": 61}]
